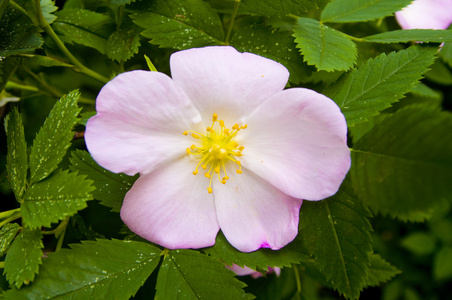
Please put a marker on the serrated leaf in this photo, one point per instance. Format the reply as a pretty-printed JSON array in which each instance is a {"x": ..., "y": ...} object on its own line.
[
  {"x": 339, "y": 11},
  {"x": 53, "y": 139},
  {"x": 24, "y": 257},
  {"x": 7, "y": 234},
  {"x": 273, "y": 44},
  {"x": 324, "y": 47},
  {"x": 84, "y": 27},
  {"x": 16, "y": 158},
  {"x": 17, "y": 33},
  {"x": 258, "y": 260},
  {"x": 278, "y": 8},
  {"x": 110, "y": 187},
  {"x": 180, "y": 25},
  {"x": 123, "y": 43},
  {"x": 53, "y": 199},
  {"x": 48, "y": 7},
  {"x": 92, "y": 270},
  {"x": 411, "y": 35},
  {"x": 336, "y": 232},
  {"x": 403, "y": 165},
  {"x": 364, "y": 92},
  {"x": 380, "y": 271},
  {"x": 188, "y": 274}
]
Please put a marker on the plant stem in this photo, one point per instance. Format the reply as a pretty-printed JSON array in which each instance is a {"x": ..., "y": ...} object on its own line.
[
  {"x": 297, "y": 277},
  {"x": 10, "y": 219},
  {"x": 46, "y": 27},
  {"x": 8, "y": 213},
  {"x": 231, "y": 24}
]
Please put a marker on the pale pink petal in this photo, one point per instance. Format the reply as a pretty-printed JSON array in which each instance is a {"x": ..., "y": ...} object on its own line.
[
  {"x": 426, "y": 14},
  {"x": 224, "y": 81},
  {"x": 253, "y": 214},
  {"x": 139, "y": 123},
  {"x": 241, "y": 271},
  {"x": 171, "y": 207},
  {"x": 297, "y": 141}
]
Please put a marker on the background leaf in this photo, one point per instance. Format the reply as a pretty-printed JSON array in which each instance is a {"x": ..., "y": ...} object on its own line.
[
  {"x": 411, "y": 35},
  {"x": 24, "y": 257},
  {"x": 52, "y": 141},
  {"x": 362, "y": 10},
  {"x": 364, "y": 92},
  {"x": 324, "y": 47},
  {"x": 53, "y": 199},
  {"x": 336, "y": 233},
  {"x": 92, "y": 270},
  {"x": 180, "y": 25},
  {"x": 110, "y": 187},
  {"x": 403, "y": 165},
  {"x": 124, "y": 42},
  {"x": 273, "y": 44},
  {"x": 7, "y": 234},
  {"x": 187, "y": 274},
  {"x": 280, "y": 8},
  {"x": 17, "y": 157},
  {"x": 380, "y": 271}
]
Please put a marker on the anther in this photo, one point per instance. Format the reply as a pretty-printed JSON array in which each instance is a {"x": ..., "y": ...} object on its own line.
[{"x": 195, "y": 136}]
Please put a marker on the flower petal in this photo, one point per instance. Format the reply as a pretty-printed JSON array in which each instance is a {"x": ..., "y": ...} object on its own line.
[
  {"x": 253, "y": 214},
  {"x": 426, "y": 14},
  {"x": 297, "y": 141},
  {"x": 139, "y": 123},
  {"x": 171, "y": 207},
  {"x": 224, "y": 81}
]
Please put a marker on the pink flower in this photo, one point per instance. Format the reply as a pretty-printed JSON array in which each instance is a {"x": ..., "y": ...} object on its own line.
[
  {"x": 426, "y": 14},
  {"x": 258, "y": 149},
  {"x": 248, "y": 271}
]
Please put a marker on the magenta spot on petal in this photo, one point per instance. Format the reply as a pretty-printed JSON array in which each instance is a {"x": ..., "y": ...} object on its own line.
[{"x": 265, "y": 245}]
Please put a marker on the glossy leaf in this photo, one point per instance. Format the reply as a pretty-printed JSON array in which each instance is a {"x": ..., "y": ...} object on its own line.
[
  {"x": 17, "y": 157},
  {"x": 380, "y": 271},
  {"x": 324, "y": 47},
  {"x": 411, "y": 35},
  {"x": 188, "y": 274},
  {"x": 273, "y": 44},
  {"x": 53, "y": 199},
  {"x": 52, "y": 141},
  {"x": 280, "y": 8},
  {"x": 403, "y": 165},
  {"x": 180, "y": 25},
  {"x": 24, "y": 257},
  {"x": 123, "y": 43},
  {"x": 364, "y": 92},
  {"x": 102, "y": 269},
  {"x": 336, "y": 233},
  {"x": 110, "y": 187},
  {"x": 361, "y": 10},
  {"x": 7, "y": 234}
]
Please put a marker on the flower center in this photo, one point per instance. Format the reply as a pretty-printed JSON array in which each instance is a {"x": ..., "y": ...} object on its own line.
[{"x": 215, "y": 148}]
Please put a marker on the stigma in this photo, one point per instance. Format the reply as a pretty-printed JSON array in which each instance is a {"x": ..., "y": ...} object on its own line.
[{"x": 214, "y": 149}]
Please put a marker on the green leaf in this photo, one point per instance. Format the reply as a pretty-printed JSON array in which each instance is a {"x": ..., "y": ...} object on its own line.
[
  {"x": 423, "y": 90},
  {"x": 411, "y": 35},
  {"x": 446, "y": 53},
  {"x": 92, "y": 270},
  {"x": 188, "y": 274},
  {"x": 24, "y": 257},
  {"x": 110, "y": 187},
  {"x": 257, "y": 260},
  {"x": 124, "y": 42},
  {"x": 324, "y": 47},
  {"x": 403, "y": 165},
  {"x": 84, "y": 27},
  {"x": 180, "y": 25},
  {"x": 442, "y": 264},
  {"x": 419, "y": 243},
  {"x": 121, "y": 2},
  {"x": 17, "y": 33},
  {"x": 336, "y": 233},
  {"x": 339, "y": 11},
  {"x": 364, "y": 92},
  {"x": 48, "y": 7},
  {"x": 7, "y": 67},
  {"x": 46, "y": 61},
  {"x": 16, "y": 158},
  {"x": 279, "y": 8},
  {"x": 7, "y": 234},
  {"x": 52, "y": 141},
  {"x": 53, "y": 199},
  {"x": 273, "y": 44},
  {"x": 380, "y": 271}
]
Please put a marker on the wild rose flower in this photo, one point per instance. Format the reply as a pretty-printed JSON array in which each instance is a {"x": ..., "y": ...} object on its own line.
[
  {"x": 221, "y": 145},
  {"x": 248, "y": 271},
  {"x": 426, "y": 14}
]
